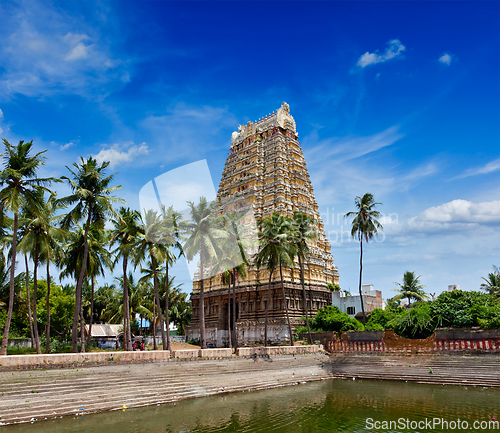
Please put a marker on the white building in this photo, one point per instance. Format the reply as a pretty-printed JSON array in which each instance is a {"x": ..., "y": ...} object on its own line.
[{"x": 351, "y": 304}]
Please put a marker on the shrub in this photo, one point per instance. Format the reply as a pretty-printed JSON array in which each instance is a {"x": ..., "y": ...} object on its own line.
[
  {"x": 461, "y": 309},
  {"x": 332, "y": 319},
  {"x": 415, "y": 323}
]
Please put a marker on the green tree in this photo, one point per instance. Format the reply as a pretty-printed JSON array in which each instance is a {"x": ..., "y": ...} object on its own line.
[
  {"x": 97, "y": 259},
  {"x": 276, "y": 251},
  {"x": 18, "y": 322},
  {"x": 173, "y": 225},
  {"x": 411, "y": 288},
  {"x": 364, "y": 226},
  {"x": 149, "y": 245},
  {"x": 41, "y": 238},
  {"x": 91, "y": 196},
  {"x": 331, "y": 318},
  {"x": 180, "y": 312},
  {"x": 20, "y": 189},
  {"x": 491, "y": 284},
  {"x": 202, "y": 240},
  {"x": 303, "y": 231},
  {"x": 127, "y": 227},
  {"x": 233, "y": 263}
]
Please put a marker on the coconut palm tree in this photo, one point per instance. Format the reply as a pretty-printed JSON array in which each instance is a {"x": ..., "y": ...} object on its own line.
[
  {"x": 492, "y": 282},
  {"x": 149, "y": 245},
  {"x": 276, "y": 251},
  {"x": 236, "y": 242},
  {"x": 180, "y": 311},
  {"x": 114, "y": 311},
  {"x": 303, "y": 231},
  {"x": 97, "y": 259},
  {"x": 20, "y": 188},
  {"x": 364, "y": 226},
  {"x": 173, "y": 226},
  {"x": 154, "y": 271},
  {"x": 92, "y": 199},
  {"x": 411, "y": 288},
  {"x": 41, "y": 238},
  {"x": 202, "y": 240},
  {"x": 127, "y": 226}
]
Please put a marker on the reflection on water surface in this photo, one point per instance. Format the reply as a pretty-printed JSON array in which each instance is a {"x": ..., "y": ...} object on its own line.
[{"x": 328, "y": 406}]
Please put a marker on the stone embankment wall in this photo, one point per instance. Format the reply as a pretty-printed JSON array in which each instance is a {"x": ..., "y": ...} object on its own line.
[
  {"x": 443, "y": 340},
  {"x": 71, "y": 359}
]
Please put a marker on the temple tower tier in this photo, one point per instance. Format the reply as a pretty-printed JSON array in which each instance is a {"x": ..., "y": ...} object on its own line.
[{"x": 266, "y": 172}]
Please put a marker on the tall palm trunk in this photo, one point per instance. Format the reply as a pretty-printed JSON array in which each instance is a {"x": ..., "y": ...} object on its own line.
[
  {"x": 286, "y": 306},
  {"x": 155, "y": 345},
  {"x": 47, "y": 306},
  {"x": 363, "y": 320},
  {"x": 202, "y": 305},
  {"x": 229, "y": 343},
  {"x": 127, "y": 331},
  {"x": 157, "y": 299},
  {"x": 167, "y": 319},
  {"x": 89, "y": 335},
  {"x": 5, "y": 339},
  {"x": 235, "y": 338},
  {"x": 35, "y": 322},
  {"x": 267, "y": 306},
  {"x": 30, "y": 317},
  {"x": 79, "y": 284},
  {"x": 82, "y": 329},
  {"x": 301, "y": 270}
]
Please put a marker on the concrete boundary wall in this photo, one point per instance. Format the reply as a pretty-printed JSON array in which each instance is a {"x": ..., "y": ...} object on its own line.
[
  {"x": 185, "y": 353},
  {"x": 216, "y": 353},
  {"x": 277, "y": 350},
  {"x": 79, "y": 358},
  {"x": 56, "y": 359}
]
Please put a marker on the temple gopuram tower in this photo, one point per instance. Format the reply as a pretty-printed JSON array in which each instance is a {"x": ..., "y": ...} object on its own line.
[{"x": 265, "y": 172}]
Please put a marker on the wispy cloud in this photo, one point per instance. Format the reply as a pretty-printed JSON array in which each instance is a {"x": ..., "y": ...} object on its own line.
[
  {"x": 445, "y": 59},
  {"x": 184, "y": 131},
  {"x": 1, "y": 114},
  {"x": 491, "y": 167},
  {"x": 44, "y": 51},
  {"x": 394, "y": 49},
  {"x": 347, "y": 148},
  {"x": 66, "y": 146},
  {"x": 118, "y": 154}
]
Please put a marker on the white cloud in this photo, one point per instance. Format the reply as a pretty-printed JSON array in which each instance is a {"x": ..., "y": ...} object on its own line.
[
  {"x": 445, "y": 59},
  {"x": 121, "y": 153},
  {"x": 463, "y": 211},
  {"x": 45, "y": 51},
  {"x": 457, "y": 215},
  {"x": 1, "y": 114},
  {"x": 488, "y": 168},
  {"x": 66, "y": 146},
  {"x": 78, "y": 52},
  {"x": 394, "y": 49}
]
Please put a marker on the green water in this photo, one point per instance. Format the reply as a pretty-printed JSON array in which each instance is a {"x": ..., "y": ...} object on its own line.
[{"x": 327, "y": 406}]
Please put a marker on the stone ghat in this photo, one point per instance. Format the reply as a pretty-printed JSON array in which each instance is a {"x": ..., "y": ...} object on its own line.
[
  {"x": 432, "y": 368},
  {"x": 81, "y": 359},
  {"x": 51, "y": 393}
]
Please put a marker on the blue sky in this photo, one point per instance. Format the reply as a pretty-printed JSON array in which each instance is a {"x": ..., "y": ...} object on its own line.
[{"x": 400, "y": 99}]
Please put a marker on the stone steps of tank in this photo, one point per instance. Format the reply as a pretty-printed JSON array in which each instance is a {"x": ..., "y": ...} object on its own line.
[{"x": 66, "y": 396}]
